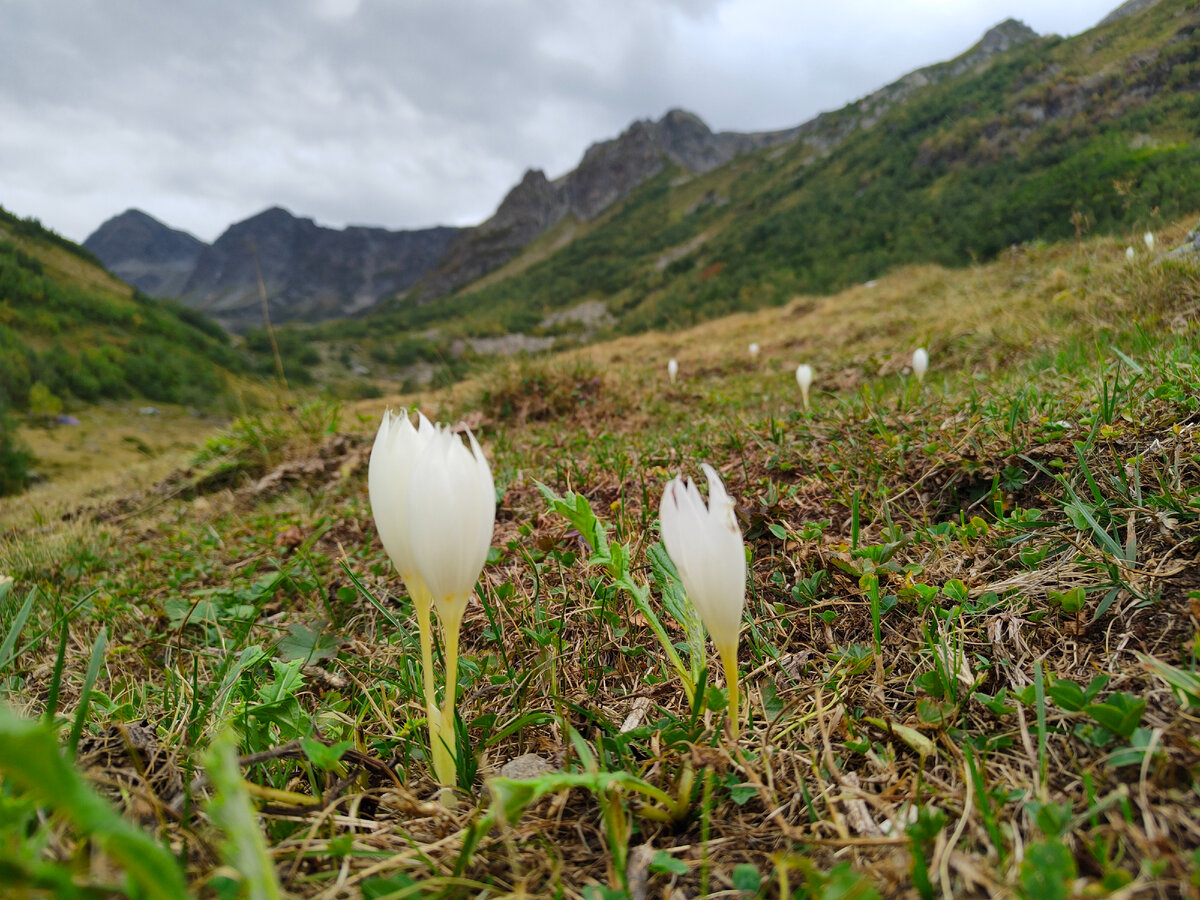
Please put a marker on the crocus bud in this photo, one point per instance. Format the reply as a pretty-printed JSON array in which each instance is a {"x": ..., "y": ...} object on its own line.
[
  {"x": 920, "y": 363},
  {"x": 451, "y": 511},
  {"x": 672, "y": 370},
  {"x": 754, "y": 351},
  {"x": 804, "y": 377},
  {"x": 1129, "y": 253},
  {"x": 1148, "y": 237},
  {"x": 705, "y": 543}
]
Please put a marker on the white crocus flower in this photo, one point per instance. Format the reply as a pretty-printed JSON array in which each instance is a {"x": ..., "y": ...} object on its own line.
[
  {"x": 804, "y": 378},
  {"x": 920, "y": 363},
  {"x": 705, "y": 543},
  {"x": 398, "y": 446},
  {"x": 1148, "y": 237},
  {"x": 450, "y": 511},
  {"x": 672, "y": 370},
  {"x": 754, "y": 351},
  {"x": 1129, "y": 253}
]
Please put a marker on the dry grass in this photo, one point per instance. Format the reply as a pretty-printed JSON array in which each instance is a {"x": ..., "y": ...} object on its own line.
[{"x": 953, "y": 740}]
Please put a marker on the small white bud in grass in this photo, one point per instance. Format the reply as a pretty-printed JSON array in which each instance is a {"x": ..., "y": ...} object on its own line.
[
  {"x": 1148, "y": 237},
  {"x": 804, "y": 377},
  {"x": 705, "y": 543},
  {"x": 672, "y": 370},
  {"x": 1129, "y": 254},
  {"x": 920, "y": 363},
  {"x": 754, "y": 351}
]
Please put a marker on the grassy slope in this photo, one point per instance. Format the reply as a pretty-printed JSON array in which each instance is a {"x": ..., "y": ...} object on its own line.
[
  {"x": 90, "y": 339},
  {"x": 1034, "y": 462},
  {"x": 67, "y": 323},
  {"x": 959, "y": 172}
]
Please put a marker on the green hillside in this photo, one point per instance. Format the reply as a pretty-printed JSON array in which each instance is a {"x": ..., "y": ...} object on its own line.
[
  {"x": 84, "y": 336},
  {"x": 1056, "y": 139}
]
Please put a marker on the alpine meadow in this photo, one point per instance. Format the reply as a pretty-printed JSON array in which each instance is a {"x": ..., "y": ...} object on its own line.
[{"x": 801, "y": 514}]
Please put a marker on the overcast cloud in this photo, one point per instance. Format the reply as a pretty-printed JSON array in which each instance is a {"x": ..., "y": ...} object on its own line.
[{"x": 411, "y": 113}]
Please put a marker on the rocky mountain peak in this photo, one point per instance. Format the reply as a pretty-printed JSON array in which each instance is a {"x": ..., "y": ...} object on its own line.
[
  {"x": 1009, "y": 33},
  {"x": 143, "y": 251}
]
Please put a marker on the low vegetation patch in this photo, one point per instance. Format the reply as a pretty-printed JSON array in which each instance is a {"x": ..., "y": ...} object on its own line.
[{"x": 967, "y": 661}]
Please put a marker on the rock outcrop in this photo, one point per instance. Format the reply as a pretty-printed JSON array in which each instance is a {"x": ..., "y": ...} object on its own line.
[
  {"x": 609, "y": 171},
  {"x": 141, "y": 250},
  {"x": 310, "y": 273}
]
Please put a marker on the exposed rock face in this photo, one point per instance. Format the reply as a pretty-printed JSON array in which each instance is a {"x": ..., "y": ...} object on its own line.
[
  {"x": 141, "y": 250},
  {"x": 609, "y": 171},
  {"x": 310, "y": 273},
  {"x": 1129, "y": 8}
]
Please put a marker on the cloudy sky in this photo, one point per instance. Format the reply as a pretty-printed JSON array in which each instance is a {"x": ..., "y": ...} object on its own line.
[{"x": 408, "y": 113}]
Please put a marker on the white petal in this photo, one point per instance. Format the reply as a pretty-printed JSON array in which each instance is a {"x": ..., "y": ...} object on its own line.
[{"x": 451, "y": 514}]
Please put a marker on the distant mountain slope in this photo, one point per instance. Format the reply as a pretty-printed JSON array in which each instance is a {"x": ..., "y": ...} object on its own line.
[
  {"x": 611, "y": 170},
  {"x": 144, "y": 252},
  {"x": 608, "y": 172},
  {"x": 311, "y": 273},
  {"x": 1033, "y": 139},
  {"x": 70, "y": 330}
]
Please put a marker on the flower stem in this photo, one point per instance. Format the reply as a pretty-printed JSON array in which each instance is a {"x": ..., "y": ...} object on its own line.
[
  {"x": 422, "y": 602},
  {"x": 728, "y": 655},
  {"x": 446, "y": 754}
]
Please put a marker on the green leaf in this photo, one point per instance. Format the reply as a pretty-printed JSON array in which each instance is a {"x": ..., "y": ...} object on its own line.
[
  {"x": 1120, "y": 713},
  {"x": 1067, "y": 695},
  {"x": 746, "y": 877},
  {"x": 393, "y": 885},
  {"x": 845, "y": 884},
  {"x": 1071, "y": 601},
  {"x": 1047, "y": 871},
  {"x": 244, "y": 847},
  {"x": 741, "y": 794},
  {"x": 32, "y": 761},
  {"x": 279, "y": 704},
  {"x": 1185, "y": 685},
  {"x": 665, "y": 864},
  {"x": 7, "y": 653},
  {"x": 1135, "y": 753},
  {"x": 325, "y": 757},
  {"x": 307, "y": 645}
]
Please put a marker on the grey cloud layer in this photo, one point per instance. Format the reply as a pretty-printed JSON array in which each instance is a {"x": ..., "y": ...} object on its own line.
[{"x": 416, "y": 112}]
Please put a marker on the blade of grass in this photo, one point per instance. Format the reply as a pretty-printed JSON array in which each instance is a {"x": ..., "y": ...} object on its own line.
[{"x": 85, "y": 695}]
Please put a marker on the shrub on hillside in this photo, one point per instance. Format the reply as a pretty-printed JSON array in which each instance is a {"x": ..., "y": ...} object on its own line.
[{"x": 15, "y": 460}]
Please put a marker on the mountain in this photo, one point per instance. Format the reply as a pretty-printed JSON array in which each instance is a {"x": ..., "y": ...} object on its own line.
[
  {"x": 611, "y": 170},
  {"x": 142, "y": 251},
  {"x": 313, "y": 273},
  {"x": 608, "y": 172},
  {"x": 71, "y": 332},
  {"x": 1018, "y": 140},
  {"x": 310, "y": 272}
]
